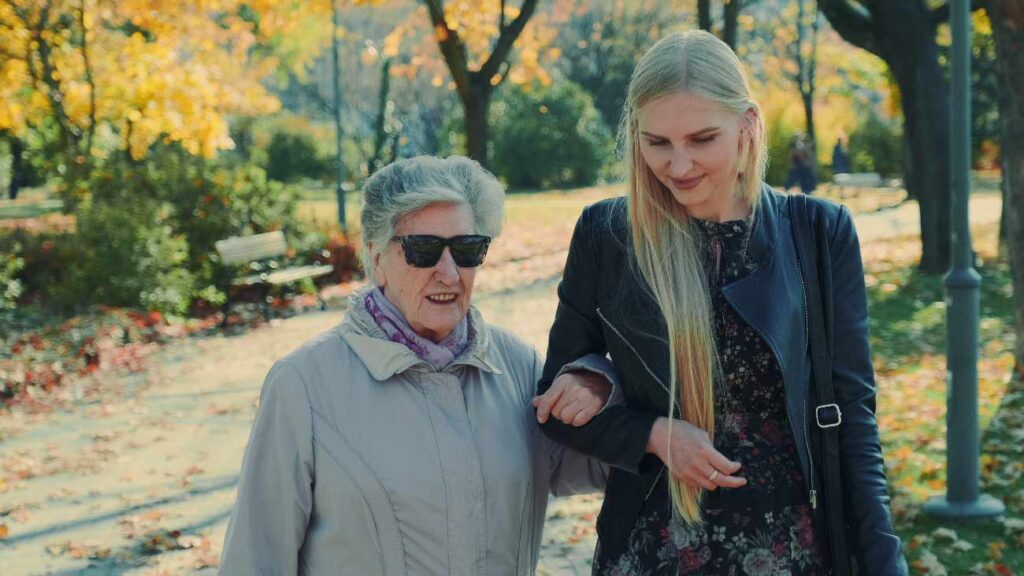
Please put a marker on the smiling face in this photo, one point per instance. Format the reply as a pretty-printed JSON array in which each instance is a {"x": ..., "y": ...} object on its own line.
[
  {"x": 433, "y": 300},
  {"x": 692, "y": 146}
]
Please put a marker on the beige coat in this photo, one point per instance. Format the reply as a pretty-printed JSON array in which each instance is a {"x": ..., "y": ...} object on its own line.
[{"x": 363, "y": 460}]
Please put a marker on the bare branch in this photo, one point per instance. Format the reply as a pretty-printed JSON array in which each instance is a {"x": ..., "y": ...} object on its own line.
[
  {"x": 452, "y": 48},
  {"x": 507, "y": 39}
]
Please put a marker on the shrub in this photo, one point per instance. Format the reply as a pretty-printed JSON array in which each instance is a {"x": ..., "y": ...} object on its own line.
[
  {"x": 11, "y": 287},
  {"x": 128, "y": 255},
  {"x": 877, "y": 146},
  {"x": 292, "y": 156},
  {"x": 146, "y": 236},
  {"x": 549, "y": 137},
  {"x": 780, "y": 137}
]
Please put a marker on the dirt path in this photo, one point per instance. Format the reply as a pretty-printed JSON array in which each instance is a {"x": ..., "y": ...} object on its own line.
[{"x": 141, "y": 479}]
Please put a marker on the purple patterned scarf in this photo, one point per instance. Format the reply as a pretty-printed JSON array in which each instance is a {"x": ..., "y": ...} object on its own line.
[{"x": 389, "y": 318}]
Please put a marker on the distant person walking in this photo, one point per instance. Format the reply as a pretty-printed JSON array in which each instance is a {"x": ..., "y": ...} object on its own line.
[
  {"x": 840, "y": 157},
  {"x": 802, "y": 170}
]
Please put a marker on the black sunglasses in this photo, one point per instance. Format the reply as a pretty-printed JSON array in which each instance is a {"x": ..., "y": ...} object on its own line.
[{"x": 424, "y": 251}]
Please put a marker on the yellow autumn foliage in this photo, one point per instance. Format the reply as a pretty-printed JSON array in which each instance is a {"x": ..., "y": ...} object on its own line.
[{"x": 143, "y": 71}]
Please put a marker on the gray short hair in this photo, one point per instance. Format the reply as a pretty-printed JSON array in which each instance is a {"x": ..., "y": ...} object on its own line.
[{"x": 406, "y": 186}]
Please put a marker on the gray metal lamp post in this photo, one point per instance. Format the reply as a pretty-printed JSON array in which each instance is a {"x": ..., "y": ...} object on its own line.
[{"x": 963, "y": 498}]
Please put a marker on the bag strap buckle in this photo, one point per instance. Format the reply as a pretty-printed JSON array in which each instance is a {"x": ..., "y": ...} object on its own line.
[{"x": 831, "y": 419}]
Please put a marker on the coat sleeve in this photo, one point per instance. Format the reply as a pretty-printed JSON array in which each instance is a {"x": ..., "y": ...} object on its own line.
[
  {"x": 878, "y": 550},
  {"x": 619, "y": 434},
  {"x": 568, "y": 471},
  {"x": 601, "y": 366},
  {"x": 275, "y": 494}
]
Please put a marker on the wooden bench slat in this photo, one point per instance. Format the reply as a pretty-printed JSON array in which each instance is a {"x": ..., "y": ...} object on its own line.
[
  {"x": 870, "y": 179},
  {"x": 285, "y": 276},
  {"x": 243, "y": 249}
]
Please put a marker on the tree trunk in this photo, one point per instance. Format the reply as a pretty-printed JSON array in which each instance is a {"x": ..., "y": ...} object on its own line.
[
  {"x": 1004, "y": 238},
  {"x": 902, "y": 33},
  {"x": 808, "y": 101},
  {"x": 1007, "y": 18},
  {"x": 380, "y": 131},
  {"x": 730, "y": 22},
  {"x": 909, "y": 47},
  {"x": 18, "y": 176},
  {"x": 704, "y": 15},
  {"x": 476, "y": 106}
]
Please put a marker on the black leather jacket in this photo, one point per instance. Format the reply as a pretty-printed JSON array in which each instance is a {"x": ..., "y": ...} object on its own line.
[{"x": 605, "y": 307}]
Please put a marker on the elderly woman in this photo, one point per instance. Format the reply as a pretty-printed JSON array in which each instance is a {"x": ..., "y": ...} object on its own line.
[{"x": 403, "y": 441}]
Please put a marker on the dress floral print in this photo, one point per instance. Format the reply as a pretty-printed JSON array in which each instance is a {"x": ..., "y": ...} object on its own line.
[{"x": 766, "y": 527}]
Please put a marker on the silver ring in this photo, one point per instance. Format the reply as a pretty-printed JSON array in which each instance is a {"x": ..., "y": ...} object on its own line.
[{"x": 713, "y": 475}]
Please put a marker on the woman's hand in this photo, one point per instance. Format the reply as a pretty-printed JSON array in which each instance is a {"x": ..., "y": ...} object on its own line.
[
  {"x": 573, "y": 398},
  {"x": 694, "y": 458}
]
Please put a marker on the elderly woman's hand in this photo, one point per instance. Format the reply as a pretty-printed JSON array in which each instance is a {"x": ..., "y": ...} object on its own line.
[
  {"x": 573, "y": 398},
  {"x": 695, "y": 461}
]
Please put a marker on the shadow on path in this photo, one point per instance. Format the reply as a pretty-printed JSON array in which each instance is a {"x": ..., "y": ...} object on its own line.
[{"x": 217, "y": 485}]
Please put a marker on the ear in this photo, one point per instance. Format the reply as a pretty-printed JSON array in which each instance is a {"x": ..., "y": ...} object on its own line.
[
  {"x": 750, "y": 123},
  {"x": 377, "y": 260}
]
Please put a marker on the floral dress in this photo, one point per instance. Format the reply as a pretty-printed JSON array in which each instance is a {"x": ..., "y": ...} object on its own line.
[{"x": 764, "y": 528}]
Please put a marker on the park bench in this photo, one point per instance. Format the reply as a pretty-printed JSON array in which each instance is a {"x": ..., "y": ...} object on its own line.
[
  {"x": 256, "y": 253},
  {"x": 857, "y": 181}
]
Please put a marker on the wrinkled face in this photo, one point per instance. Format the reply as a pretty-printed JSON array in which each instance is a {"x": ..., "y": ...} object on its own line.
[
  {"x": 692, "y": 145},
  {"x": 433, "y": 300}
]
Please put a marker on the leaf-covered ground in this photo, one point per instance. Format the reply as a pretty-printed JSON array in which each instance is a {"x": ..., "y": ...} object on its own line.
[{"x": 909, "y": 341}]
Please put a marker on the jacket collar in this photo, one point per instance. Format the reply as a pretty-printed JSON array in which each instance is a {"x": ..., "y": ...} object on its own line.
[
  {"x": 384, "y": 358},
  {"x": 765, "y": 229},
  {"x": 763, "y": 233}
]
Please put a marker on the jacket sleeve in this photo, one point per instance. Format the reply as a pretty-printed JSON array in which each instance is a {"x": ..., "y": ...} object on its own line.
[
  {"x": 567, "y": 471},
  {"x": 878, "y": 550},
  {"x": 275, "y": 495},
  {"x": 619, "y": 434}
]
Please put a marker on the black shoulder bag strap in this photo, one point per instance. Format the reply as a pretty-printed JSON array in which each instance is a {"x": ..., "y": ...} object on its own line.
[{"x": 827, "y": 415}]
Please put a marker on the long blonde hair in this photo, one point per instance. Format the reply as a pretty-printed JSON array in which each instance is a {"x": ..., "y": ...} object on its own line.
[{"x": 663, "y": 237}]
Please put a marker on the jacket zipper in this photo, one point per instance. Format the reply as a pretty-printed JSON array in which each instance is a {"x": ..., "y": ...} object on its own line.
[
  {"x": 656, "y": 379},
  {"x": 813, "y": 494},
  {"x": 639, "y": 357}
]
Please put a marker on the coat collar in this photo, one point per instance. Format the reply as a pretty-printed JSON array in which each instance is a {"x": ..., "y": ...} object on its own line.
[{"x": 384, "y": 358}]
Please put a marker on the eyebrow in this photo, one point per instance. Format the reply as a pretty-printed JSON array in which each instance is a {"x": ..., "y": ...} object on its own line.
[{"x": 697, "y": 134}]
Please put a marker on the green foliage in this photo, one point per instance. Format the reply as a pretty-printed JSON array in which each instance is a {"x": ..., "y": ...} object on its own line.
[
  {"x": 146, "y": 233},
  {"x": 780, "y": 136},
  {"x": 549, "y": 137},
  {"x": 10, "y": 286},
  {"x": 876, "y": 146},
  {"x": 293, "y": 156},
  {"x": 129, "y": 255},
  {"x": 602, "y": 43}
]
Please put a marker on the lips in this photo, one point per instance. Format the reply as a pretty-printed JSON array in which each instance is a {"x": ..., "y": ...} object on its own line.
[{"x": 687, "y": 183}]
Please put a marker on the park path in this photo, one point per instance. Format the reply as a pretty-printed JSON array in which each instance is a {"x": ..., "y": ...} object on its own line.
[{"x": 140, "y": 479}]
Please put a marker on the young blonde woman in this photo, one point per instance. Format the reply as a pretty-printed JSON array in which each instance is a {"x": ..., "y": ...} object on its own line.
[{"x": 693, "y": 286}]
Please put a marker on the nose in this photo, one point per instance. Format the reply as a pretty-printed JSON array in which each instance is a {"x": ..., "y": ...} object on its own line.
[
  {"x": 445, "y": 270},
  {"x": 681, "y": 163}
]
